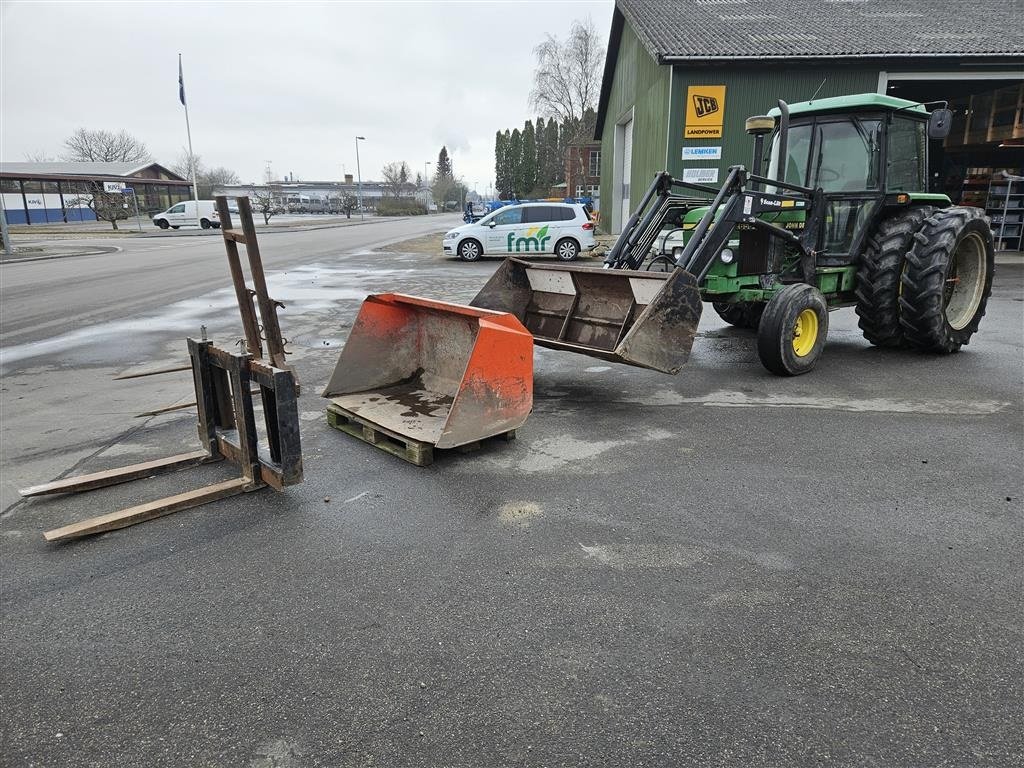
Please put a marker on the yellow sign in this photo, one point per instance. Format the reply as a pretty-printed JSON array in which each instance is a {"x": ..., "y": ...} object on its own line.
[{"x": 705, "y": 111}]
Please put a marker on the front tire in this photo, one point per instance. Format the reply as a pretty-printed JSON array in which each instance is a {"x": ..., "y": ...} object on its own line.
[
  {"x": 792, "y": 333},
  {"x": 470, "y": 250},
  {"x": 879, "y": 274},
  {"x": 162, "y": 223},
  {"x": 948, "y": 280},
  {"x": 204, "y": 223},
  {"x": 567, "y": 250}
]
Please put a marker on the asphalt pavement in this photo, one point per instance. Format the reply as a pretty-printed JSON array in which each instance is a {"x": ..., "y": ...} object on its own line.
[{"x": 721, "y": 568}]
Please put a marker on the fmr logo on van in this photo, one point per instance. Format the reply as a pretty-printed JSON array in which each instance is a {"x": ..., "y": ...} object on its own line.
[{"x": 536, "y": 239}]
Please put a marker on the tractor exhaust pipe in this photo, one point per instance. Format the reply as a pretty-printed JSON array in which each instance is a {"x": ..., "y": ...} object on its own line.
[{"x": 783, "y": 140}]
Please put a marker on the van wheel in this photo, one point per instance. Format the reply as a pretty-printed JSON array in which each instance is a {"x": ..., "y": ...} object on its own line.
[
  {"x": 204, "y": 223},
  {"x": 162, "y": 223},
  {"x": 470, "y": 250},
  {"x": 567, "y": 250}
]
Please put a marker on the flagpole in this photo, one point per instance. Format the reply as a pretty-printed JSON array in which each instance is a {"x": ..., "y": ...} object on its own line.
[{"x": 188, "y": 131}]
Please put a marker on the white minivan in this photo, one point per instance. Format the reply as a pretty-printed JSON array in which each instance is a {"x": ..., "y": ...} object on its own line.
[
  {"x": 185, "y": 214},
  {"x": 525, "y": 229}
]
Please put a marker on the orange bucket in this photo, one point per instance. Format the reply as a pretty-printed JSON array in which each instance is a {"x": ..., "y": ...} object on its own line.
[{"x": 435, "y": 372}]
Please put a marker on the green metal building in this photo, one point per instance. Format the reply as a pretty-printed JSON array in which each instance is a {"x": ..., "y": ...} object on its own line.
[{"x": 680, "y": 78}]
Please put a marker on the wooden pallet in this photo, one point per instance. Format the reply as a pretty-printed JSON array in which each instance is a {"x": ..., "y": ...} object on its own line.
[{"x": 414, "y": 451}]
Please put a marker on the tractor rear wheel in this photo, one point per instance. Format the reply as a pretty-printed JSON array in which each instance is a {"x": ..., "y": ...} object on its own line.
[
  {"x": 879, "y": 273},
  {"x": 793, "y": 328},
  {"x": 947, "y": 280},
  {"x": 742, "y": 314}
]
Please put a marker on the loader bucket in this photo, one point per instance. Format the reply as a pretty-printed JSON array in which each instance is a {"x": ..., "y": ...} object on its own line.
[
  {"x": 433, "y": 372},
  {"x": 647, "y": 319}
]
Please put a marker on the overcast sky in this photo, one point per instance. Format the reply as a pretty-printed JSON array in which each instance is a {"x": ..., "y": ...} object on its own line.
[{"x": 292, "y": 83}]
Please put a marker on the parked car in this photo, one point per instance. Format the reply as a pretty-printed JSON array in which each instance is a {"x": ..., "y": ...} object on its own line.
[
  {"x": 187, "y": 213},
  {"x": 527, "y": 229}
]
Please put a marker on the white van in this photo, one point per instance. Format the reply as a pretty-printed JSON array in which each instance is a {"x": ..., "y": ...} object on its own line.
[
  {"x": 185, "y": 215},
  {"x": 526, "y": 229}
]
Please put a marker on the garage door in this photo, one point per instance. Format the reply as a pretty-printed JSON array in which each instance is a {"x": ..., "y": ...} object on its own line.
[{"x": 627, "y": 167}]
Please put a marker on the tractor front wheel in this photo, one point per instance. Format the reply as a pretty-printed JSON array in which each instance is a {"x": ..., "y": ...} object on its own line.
[
  {"x": 947, "y": 280},
  {"x": 792, "y": 333}
]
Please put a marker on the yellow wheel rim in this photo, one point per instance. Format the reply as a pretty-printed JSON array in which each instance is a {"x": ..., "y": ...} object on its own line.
[{"x": 805, "y": 332}]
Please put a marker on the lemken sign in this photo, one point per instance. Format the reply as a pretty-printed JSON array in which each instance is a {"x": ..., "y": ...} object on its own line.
[{"x": 702, "y": 153}]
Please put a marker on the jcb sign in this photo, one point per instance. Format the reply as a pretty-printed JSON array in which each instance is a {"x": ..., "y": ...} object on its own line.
[
  {"x": 705, "y": 111},
  {"x": 704, "y": 105}
]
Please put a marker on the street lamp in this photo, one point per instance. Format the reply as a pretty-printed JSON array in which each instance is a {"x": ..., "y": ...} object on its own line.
[
  {"x": 359, "y": 176},
  {"x": 426, "y": 199}
]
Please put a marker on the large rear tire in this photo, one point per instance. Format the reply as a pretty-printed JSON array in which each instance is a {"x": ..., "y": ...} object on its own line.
[
  {"x": 742, "y": 314},
  {"x": 947, "y": 280},
  {"x": 792, "y": 333},
  {"x": 878, "y": 276}
]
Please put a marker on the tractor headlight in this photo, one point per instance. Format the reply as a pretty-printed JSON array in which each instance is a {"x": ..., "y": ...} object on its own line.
[
  {"x": 677, "y": 252},
  {"x": 727, "y": 256}
]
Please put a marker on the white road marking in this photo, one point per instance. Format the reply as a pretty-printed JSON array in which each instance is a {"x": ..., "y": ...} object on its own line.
[{"x": 725, "y": 398}]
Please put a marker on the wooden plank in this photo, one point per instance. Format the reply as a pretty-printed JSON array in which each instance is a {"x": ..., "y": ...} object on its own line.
[
  {"x": 150, "y": 510},
  {"x": 120, "y": 475},
  {"x": 154, "y": 372},
  {"x": 165, "y": 409},
  {"x": 234, "y": 235}
]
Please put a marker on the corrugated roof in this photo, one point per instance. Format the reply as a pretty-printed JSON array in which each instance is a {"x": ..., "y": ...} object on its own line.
[
  {"x": 74, "y": 169},
  {"x": 755, "y": 29}
]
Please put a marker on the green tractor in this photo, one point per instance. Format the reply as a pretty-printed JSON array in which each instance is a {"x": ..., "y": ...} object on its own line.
[{"x": 840, "y": 218}]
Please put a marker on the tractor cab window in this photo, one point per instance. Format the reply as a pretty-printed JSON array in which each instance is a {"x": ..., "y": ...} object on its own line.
[
  {"x": 846, "y": 155},
  {"x": 908, "y": 143},
  {"x": 797, "y": 150}
]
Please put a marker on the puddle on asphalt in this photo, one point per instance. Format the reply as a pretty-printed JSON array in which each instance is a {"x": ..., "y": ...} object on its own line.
[{"x": 308, "y": 288}]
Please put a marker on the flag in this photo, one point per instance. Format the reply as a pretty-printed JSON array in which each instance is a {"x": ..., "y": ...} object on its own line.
[{"x": 181, "y": 82}]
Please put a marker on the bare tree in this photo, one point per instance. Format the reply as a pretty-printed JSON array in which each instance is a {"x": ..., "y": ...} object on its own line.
[
  {"x": 348, "y": 204},
  {"x": 39, "y": 157},
  {"x": 183, "y": 165},
  {"x": 220, "y": 176},
  {"x": 104, "y": 147},
  {"x": 567, "y": 80},
  {"x": 396, "y": 178},
  {"x": 108, "y": 206},
  {"x": 206, "y": 178},
  {"x": 265, "y": 200}
]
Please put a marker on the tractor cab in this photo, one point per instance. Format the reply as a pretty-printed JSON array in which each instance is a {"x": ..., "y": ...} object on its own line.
[{"x": 864, "y": 153}]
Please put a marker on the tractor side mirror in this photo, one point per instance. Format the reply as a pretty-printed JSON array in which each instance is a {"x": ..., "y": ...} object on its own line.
[{"x": 940, "y": 122}]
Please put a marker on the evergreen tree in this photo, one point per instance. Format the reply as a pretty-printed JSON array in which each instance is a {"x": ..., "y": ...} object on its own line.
[
  {"x": 500, "y": 164},
  {"x": 529, "y": 161},
  {"x": 444, "y": 165},
  {"x": 555, "y": 166},
  {"x": 516, "y": 163},
  {"x": 543, "y": 182},
  {"x": 507, "y": 165}
]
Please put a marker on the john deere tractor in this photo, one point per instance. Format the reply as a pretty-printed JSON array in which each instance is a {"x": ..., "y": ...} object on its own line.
[{"x": 841, "y": 217}]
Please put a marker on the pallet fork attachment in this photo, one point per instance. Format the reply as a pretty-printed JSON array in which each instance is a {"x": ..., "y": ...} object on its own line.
[{"x": 227, "y": 430}]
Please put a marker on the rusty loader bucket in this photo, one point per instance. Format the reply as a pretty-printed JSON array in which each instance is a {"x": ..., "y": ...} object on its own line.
[
  {"x": 647, "y": 319},
  {"x": 434, "y": 373}
]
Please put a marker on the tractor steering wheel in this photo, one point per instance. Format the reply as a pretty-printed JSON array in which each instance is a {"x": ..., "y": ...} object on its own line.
[{"x": 827, "y": 175}]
